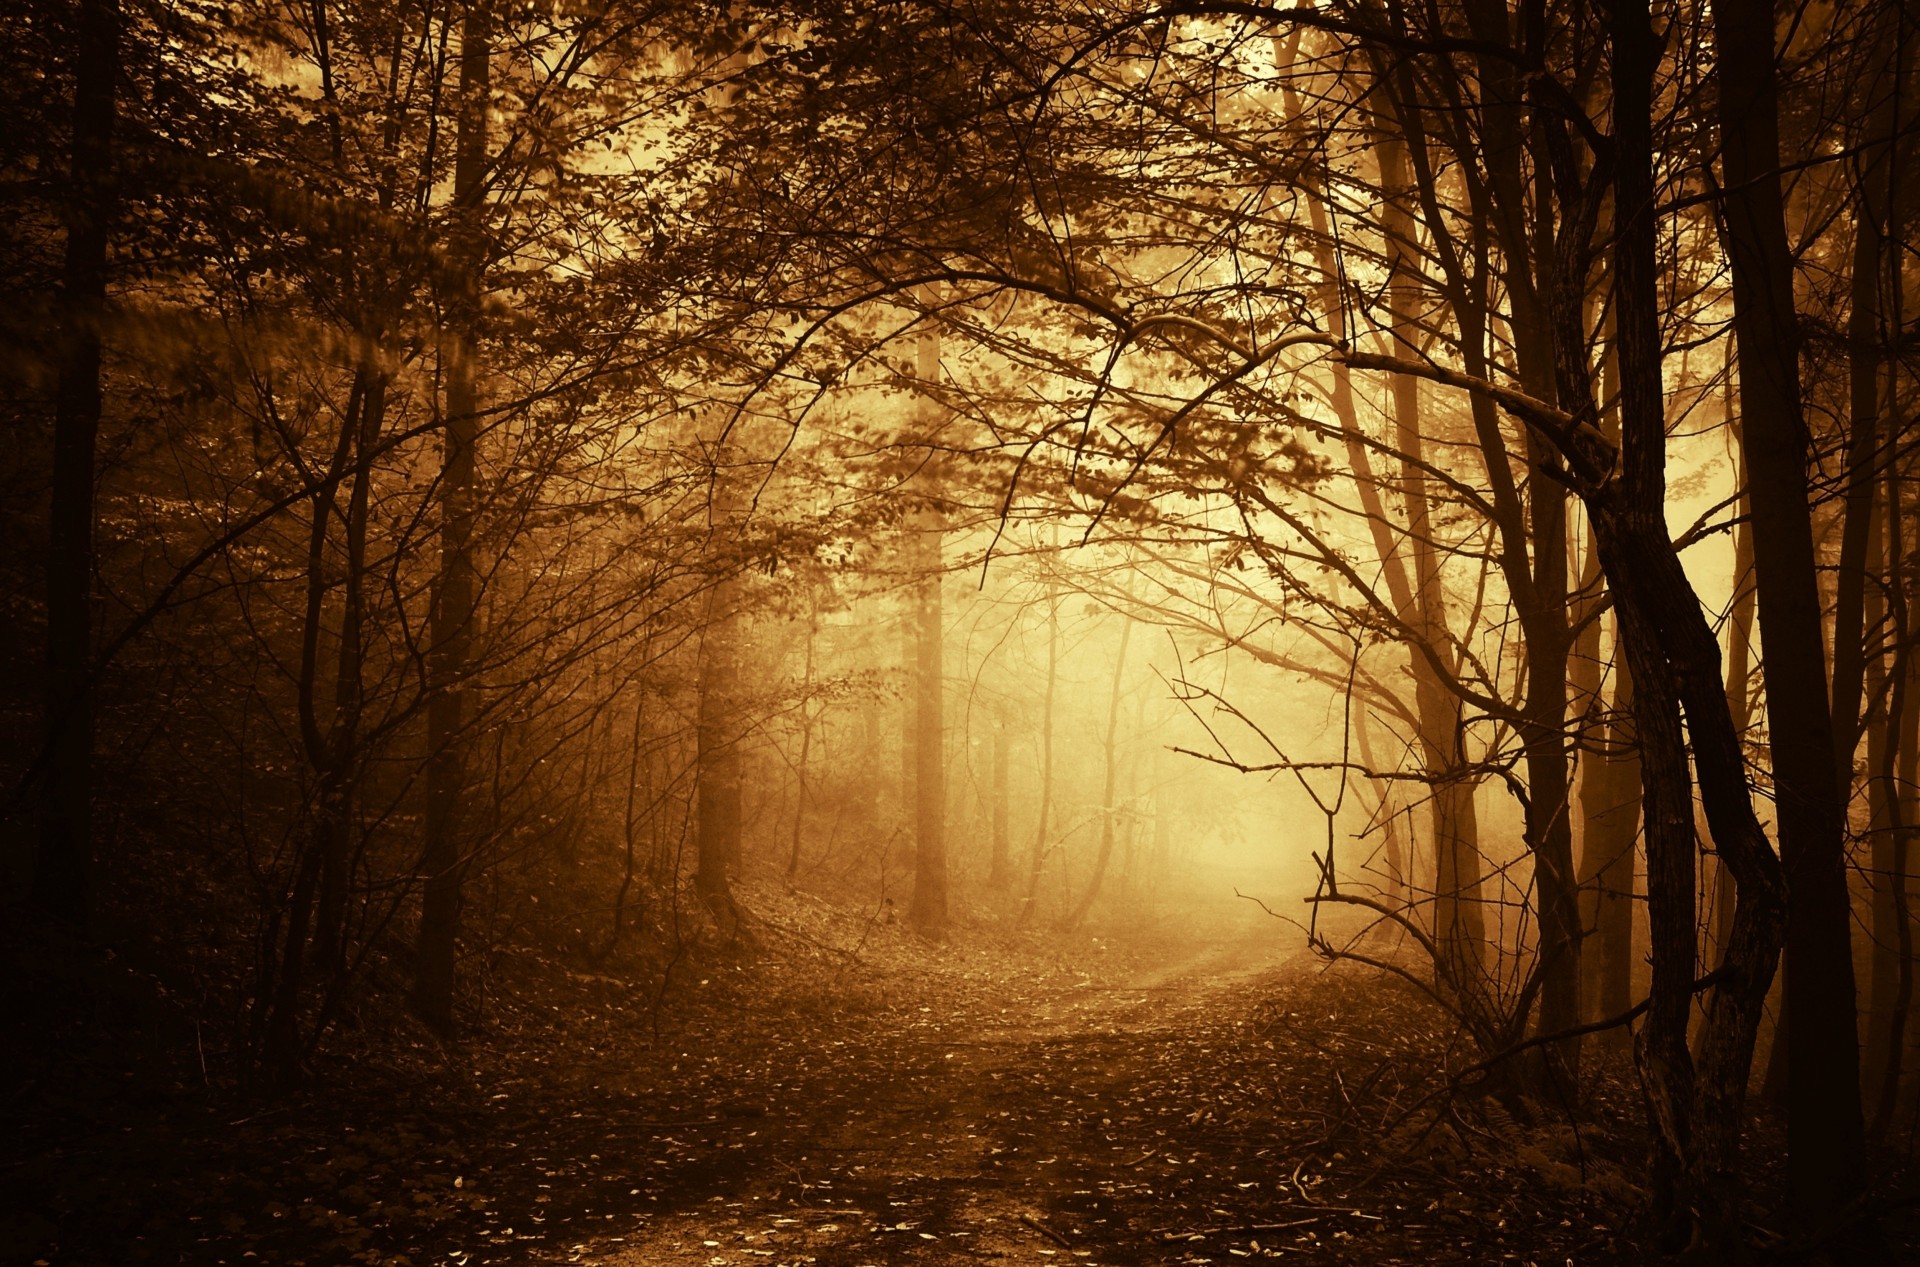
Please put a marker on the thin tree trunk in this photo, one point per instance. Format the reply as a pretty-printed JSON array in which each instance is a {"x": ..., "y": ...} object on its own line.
[
  {"x": 1882, "y": 792},
  {"x": 1897, "y": 778},
  {"x": 999, "y": 864},
  {"x": 63, "y": 852},
  {"x": 1108, "y": 788},
  {"x": 1825, "y": 1134},
  {"x": 335, "y": 827},
  {"x": 1457, "y": 925},
  {"x": 717, "y": 755},
  {"x": 1460, "y": 927},
  {"x": 317, "y": 902},
  {"x": 1903, "y": 828},
  {"x": 630, "y": 828},
  {"x": 1739, "y": 669},
  {"x": 928, "y": 912},
  {"x": 1037, "y": 861},
  {"x": 444, "y": 856},
  {"x": 1397, "y": 880},
  {"x": 806, "y": 747}
]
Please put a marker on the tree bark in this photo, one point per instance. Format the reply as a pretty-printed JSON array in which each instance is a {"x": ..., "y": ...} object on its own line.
[
  {"x": 1695, "y": 1099},
  {"x": 1825, "y": 1134},
  {"x": 1460, "y": 927},
  {"x": 1895, "y": 771},
  {"x": 63, "y": 852},
  {"x": 444, "y": 857},
  {"x": 717, "y": 755},
  {"x": 806, "y": 746},
  {"x": 1108, "y": 786},
  {"x": 927, "y": 914},
  {"x": 1610, "y": 797},
  {"x": 998, "y": 865},
  {"x": 1739, "y": 670},
  {"x": 1037, "y": 861}
]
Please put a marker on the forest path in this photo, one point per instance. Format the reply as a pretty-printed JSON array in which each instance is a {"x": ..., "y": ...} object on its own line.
[
  {"x": 1065, "y": 1116},
  {"x": 843, "y": 1094}
]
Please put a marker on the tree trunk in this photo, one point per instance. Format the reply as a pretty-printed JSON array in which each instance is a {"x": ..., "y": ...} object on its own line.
[
  {"x": 1038, "y": 860},
  {"x": 1902, "y": 763},
  {"x": 717, "y": 756},
  {"x": 1538, "y": 583},
  {"x": 1824, "y": 1128},
  {"x": 928, "y": 913},
  {"x": 1397, "y": 880},
  {"x": 1460, "y": 927},
  {"x": 998, "y": 866},
  {"x": 1739, "y": 670},
  {"x": 1695, "y": 1099},
  {"x": 444, "y": 857},
  {"x": 806, "y": 747},
  {"x": 63, "y": 852},
  {"x": 1457, "y": 923},
  {"x": 1108, "y": 786},
  {"x": 1610, "y": 797},
  {"x": 1895, "y": 769}
]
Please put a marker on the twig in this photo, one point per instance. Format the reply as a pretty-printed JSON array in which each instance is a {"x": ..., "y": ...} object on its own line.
[
  {"x": 1047, "y": 1232},
  {"x": 1195, "y": 1233}
]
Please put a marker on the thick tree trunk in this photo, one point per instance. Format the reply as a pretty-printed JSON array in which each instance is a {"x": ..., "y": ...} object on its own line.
[
  {"x": 1610, "y": 800},
  {"x": 63, "y": 853},
  {"x": 1695, "y": 1099},
  {"x": 444, "y": 856},
  {"x": 1825, "y": 1134}
]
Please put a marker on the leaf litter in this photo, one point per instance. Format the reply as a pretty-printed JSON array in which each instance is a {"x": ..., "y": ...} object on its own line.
[{"x": 1003, "y": 1098}]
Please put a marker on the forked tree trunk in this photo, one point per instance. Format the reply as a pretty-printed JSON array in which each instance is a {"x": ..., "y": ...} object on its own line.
[
  {"x": 1459, "y": 921},
  {"x": 1454, "y": 838},
  {"x": 1528, "y": 521},
  {"x": 312, "y": 932},
  {"x": 1695, "y": 1099}
]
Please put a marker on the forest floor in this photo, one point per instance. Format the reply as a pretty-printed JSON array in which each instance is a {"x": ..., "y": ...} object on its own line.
[{"x": 844, "y": 1094}]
